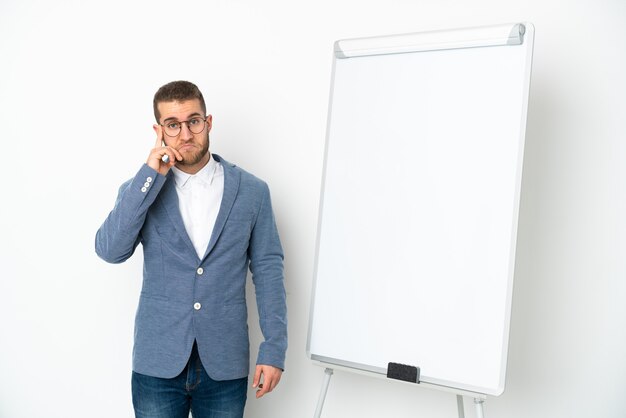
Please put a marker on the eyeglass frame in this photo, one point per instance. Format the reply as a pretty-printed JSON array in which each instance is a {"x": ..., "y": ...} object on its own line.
[{"x": 180, "y": 129}]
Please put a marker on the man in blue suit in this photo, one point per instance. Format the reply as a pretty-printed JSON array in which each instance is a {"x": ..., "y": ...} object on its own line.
[{"x": 202, "y": 223}]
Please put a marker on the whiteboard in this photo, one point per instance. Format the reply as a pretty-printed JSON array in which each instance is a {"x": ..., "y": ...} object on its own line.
[{"x": 419, "y": 208}]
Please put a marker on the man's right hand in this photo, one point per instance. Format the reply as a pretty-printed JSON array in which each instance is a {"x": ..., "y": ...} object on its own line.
[{"x": 154, "y": 159}]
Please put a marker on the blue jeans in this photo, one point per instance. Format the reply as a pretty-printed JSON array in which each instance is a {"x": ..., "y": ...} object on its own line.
[{"x": 192, "y": 390}]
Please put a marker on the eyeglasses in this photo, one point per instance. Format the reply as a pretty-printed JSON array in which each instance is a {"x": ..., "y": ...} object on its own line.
[{"x": 195, "y": 125}]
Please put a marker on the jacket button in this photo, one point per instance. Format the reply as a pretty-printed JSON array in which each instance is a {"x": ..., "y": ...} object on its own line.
[
  {"x": 197, "y": 306},
  {"x": 200, "y": 270}
]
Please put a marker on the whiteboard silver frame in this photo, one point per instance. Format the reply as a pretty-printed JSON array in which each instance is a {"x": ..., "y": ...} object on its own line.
[{"x": 500, "y": 35}]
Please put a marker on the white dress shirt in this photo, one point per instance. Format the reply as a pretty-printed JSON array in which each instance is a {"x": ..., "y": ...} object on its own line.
[{"x": 199, "y": 199}]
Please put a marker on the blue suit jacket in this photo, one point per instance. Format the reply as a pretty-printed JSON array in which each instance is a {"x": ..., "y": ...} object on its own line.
[{"x": 184, "y": 298}]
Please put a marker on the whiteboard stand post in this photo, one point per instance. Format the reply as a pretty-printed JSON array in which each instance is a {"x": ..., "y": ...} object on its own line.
[
  {"x": 328, "y": 372},
  {"x": 459, "y": 405},
  {"x": 478, "y": 403}
]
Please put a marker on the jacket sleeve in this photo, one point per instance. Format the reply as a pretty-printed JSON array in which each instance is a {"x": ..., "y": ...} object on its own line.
[
  {"x": 266, "y": 265},
  {"x": 120, "y": 233}
]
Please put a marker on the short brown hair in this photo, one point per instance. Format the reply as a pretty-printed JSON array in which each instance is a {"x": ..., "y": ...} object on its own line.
[{"x": 177, "y": 91}]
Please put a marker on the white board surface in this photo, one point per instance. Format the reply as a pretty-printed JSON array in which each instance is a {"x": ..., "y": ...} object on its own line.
[{"x": 418, "y": 218}]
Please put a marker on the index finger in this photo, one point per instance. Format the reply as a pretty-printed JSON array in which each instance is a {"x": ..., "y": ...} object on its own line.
[
  {"x": 257, "y": 377},
  {"x": 159, "y": 139}
]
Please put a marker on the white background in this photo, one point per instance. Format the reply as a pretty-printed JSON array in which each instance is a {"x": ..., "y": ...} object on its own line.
[{"x": 76, "y": 84}]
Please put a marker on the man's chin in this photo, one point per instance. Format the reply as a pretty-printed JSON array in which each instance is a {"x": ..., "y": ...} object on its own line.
[{"x": 192, "y": 159}]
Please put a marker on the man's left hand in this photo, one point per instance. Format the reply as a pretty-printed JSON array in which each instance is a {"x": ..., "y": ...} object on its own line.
[{"x": 270, "y": 376}]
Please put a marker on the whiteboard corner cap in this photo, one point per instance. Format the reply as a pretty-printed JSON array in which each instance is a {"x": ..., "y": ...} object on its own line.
[{"x": 338, "y": 51}]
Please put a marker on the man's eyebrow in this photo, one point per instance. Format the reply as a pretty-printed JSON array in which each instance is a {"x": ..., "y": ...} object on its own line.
[{"x": 188, "y": 117}]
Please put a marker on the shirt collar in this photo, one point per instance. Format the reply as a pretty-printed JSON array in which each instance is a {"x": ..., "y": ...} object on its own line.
[{"x": 205, "y": 174}]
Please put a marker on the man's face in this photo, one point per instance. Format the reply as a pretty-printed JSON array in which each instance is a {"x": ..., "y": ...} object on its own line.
[{"x": 193, "y": 147}]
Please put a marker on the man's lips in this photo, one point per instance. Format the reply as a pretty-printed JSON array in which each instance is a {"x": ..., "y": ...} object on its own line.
[{"x": 186, "y": 147}]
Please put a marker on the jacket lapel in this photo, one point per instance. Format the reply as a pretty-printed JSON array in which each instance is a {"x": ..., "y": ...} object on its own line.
[
  {"x": 169, "y": 199},
  {"x": 231, "y": 187}
]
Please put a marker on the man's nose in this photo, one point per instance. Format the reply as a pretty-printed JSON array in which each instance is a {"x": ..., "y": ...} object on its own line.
[{"x": 185, "y": 133}]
